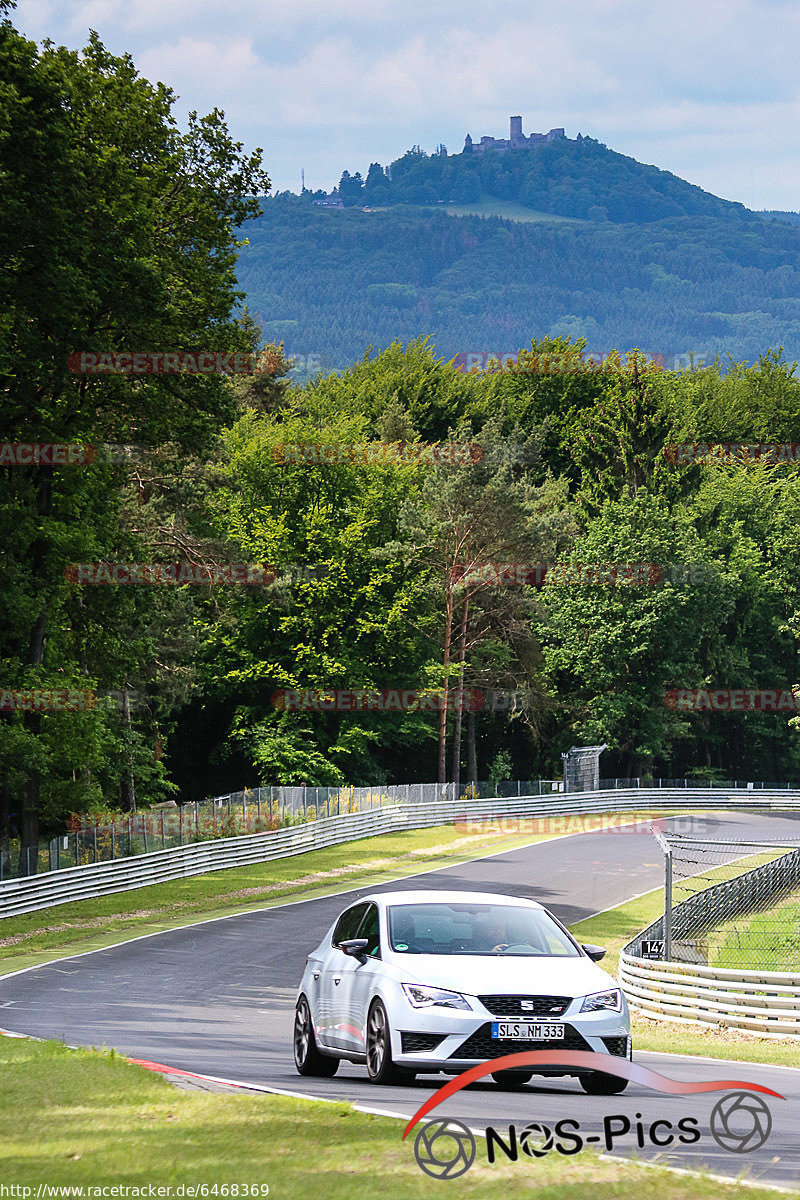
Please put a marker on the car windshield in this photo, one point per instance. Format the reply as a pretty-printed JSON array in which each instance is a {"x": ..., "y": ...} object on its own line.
[{"x": 467, "y": 928}]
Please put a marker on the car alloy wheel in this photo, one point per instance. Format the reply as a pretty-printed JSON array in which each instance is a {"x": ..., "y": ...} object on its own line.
[
  {"x": 381, "y": 1067},
  {"x": 307, "y": 1057}
]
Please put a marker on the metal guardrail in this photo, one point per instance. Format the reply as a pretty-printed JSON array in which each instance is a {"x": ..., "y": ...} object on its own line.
[
  {"x": 759, "y": 1001},
  {"x": 36, "y": 892}
]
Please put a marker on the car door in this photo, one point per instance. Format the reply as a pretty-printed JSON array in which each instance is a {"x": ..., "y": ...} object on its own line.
[
  {"x": 334, "y": 973},
  {"x": 360, "y": 982}
]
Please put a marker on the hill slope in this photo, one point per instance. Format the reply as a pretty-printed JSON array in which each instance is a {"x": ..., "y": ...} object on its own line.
[
  {"x": 331, "y": 283},
  {"x": 570, "y": 177}
]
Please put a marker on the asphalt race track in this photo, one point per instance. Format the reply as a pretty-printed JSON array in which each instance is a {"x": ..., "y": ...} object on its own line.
[{"x": 218, "y": 999}]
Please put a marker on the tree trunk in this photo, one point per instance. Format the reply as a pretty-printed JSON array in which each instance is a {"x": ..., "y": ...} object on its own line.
[
  {"x": 462, "y": 653},
  {"x": 448, "y": 633},
  {"x": 29, "y": 816},
  {"x": 31, "y": 792},
  {"x": 5, "y": 811},
  {"x": 472, "y": 757},
  {"x": 128, "y": 783}
]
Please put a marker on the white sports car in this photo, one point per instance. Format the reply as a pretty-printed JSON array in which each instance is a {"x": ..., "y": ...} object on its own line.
[{"x": 412, "y": 982}]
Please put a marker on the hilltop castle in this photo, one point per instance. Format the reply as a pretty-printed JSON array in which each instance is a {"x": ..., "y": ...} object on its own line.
[{"x": 515, "y": 141}]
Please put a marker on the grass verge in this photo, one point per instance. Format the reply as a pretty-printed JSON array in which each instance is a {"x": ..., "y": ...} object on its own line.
[
  {"x": 614, "y": 929},
  {"x": 750, "y": 941},
  {"x": 81, "y": 1119}
]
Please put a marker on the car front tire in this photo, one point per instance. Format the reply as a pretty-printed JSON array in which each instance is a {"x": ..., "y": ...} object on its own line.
[
  {"x": 600, "y": 1084},
  {"x": 381, "y": 1067},
  {"x": 307, "y": 1057},
  {"x": 512, "y": 1079}
]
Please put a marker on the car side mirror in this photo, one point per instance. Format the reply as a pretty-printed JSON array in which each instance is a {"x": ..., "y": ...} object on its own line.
[
  {"x": 355, "y": 947},
  {"x": 595, "y": 952}
]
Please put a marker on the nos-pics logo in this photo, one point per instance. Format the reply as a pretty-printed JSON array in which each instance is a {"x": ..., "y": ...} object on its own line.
[{"x": 740, "y": 1123}]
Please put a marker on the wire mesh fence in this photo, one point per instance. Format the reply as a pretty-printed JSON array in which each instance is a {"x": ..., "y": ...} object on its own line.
[{"x": 728, "y": 904}]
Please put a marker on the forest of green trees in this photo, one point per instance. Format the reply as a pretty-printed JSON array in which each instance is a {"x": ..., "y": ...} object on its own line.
[
  {"x": 121, "y": 234},
  {"x": 330, "y": 283}
]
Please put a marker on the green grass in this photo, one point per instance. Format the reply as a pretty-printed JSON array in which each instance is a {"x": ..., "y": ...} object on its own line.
[
  {"x": 765, "y": 940},
  {"x": 488, "y": 207},
  {"x": 614, "y": 929},
  {"x": 508, "y": 209},
  {"x": 75, "y": 1118}
]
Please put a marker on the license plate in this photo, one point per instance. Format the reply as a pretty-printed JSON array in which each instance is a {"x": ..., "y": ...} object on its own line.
[{"x": 525, "y": 1031}]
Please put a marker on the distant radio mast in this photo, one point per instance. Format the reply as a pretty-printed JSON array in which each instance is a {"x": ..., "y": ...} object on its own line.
[{"x": 302, "y": 179}]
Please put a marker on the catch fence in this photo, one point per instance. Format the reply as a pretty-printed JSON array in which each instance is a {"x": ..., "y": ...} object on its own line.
[{"x": 726, "y": 950}]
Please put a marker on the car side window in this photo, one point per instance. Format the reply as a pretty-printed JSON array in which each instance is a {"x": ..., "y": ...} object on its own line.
[
  {"x": 348, "y": 923},
  {"x": 370, "y": 929}
]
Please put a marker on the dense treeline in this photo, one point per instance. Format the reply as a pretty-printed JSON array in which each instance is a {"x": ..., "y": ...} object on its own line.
[
  {"x": 574, "y": 178},
  {"x": 96, "y": 256},
  {"x": 331, "y": 283}
]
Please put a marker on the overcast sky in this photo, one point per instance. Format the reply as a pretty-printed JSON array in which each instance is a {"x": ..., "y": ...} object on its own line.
[{"x": 709, "y": 89}]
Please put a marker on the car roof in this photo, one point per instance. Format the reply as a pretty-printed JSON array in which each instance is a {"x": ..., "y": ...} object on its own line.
[{"x": 429, "y": 896}]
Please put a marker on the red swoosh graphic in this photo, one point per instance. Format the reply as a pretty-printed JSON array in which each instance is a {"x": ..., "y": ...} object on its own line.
[{"x": 587, "y": 1059}]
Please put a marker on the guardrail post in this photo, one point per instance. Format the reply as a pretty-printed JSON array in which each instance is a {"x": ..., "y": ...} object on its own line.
[
  {"x": 113, "y": 841},
  {"x": 163, "y": 844},
  {"x": 197, "y": 820},
  {"x": 667, "y": 923},
  {"x": 668, "y": 905},
  {"x": 180, "y": 824}
]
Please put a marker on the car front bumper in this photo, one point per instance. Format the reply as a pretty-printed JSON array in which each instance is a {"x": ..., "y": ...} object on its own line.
[{"x": 465, "y": 1036}]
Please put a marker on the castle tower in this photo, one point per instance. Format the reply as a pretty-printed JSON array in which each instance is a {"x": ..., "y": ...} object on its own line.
[{"x": 516, "y": 128}]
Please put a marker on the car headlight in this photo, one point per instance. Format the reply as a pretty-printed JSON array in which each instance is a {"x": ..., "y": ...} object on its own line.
[
  {"x": 603, "y": 1001},
  {"x": 421, "y": 995}
]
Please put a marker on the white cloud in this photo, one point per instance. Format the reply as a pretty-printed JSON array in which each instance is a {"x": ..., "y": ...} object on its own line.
[{"x": 705, "y": 88}]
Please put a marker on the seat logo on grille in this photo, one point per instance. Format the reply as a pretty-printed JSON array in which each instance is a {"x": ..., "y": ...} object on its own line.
[{"x": 526, "y": 1005}]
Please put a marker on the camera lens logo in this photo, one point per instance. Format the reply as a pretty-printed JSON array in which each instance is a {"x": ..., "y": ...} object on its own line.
[
  {"x": 740, "y": 1122},
  {"x": 536, "y": 1140},
  {"x": 444, "y": 1149}
]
